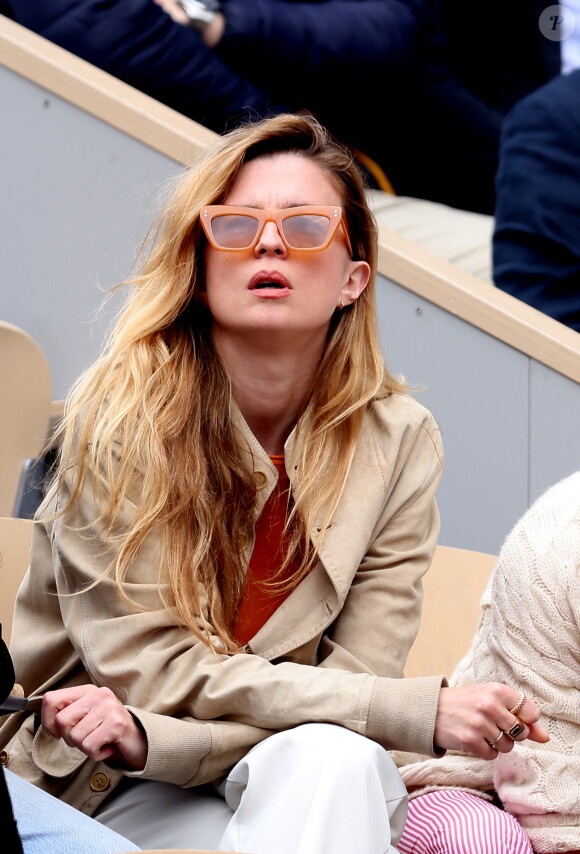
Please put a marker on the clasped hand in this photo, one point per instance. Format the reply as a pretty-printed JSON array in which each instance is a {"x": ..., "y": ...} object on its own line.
[
  {"x": 96, "y": 722},
  {"x": 477, "y": 719}
]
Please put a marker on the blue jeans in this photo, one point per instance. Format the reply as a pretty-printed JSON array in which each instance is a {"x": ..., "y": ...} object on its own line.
[{"x": 49, "y": 826}]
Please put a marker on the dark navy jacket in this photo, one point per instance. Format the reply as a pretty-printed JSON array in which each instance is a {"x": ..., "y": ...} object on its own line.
[
  {"x": 248, "y": 76},
  {"x": 377, "y": 73},
  {"x": 536, "y": 244},
  {"x": 497, "y": 48}
]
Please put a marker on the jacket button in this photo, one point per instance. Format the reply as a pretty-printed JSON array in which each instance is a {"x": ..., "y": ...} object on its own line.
[
  {"x": 99, "y": 781},
  {"x": 261, "y": 479},
  {"x": 4, "y": 757}
]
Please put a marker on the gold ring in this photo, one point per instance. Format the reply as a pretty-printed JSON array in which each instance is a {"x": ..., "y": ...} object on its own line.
[
  {"x": 517, "y": 729},
  {"x": 518, "y": 705}
]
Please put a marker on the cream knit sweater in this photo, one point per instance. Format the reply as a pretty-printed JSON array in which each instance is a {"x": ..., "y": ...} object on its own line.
[{"x": 529, "y": 638}]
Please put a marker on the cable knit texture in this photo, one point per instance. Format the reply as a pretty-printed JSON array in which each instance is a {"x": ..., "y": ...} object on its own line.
[{"x": 529, "y": 638}]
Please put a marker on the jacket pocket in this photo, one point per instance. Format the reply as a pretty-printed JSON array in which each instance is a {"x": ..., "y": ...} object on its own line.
[{"x": 53, "y": 756}]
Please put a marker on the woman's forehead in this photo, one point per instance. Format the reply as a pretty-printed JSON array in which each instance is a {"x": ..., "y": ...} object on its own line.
[{"x": 283, "y": 180}]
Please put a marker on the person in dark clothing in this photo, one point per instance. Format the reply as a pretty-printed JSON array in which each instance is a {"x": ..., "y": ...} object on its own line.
[
  {"x": 11, "y": 837},
  {"x": 498, "y": 49},
  {"x": 352, "y": 63},
  {"x": 138, "y": 42},
  {"x": 536, "y": 245},
  {"x": 377, "y": 75}
]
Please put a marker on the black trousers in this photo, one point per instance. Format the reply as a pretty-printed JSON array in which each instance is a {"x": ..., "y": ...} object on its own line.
[{"x": 11, "y": 843}]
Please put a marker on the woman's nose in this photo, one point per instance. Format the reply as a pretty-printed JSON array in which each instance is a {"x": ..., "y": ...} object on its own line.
[{"x": 270, "y": 241}]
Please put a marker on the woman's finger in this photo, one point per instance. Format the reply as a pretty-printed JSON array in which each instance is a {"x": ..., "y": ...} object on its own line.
[
  {"x": 513, "y": 727},
  {"x": 482, "y": 719},
  {"x": 72, "y": 714},
  {"x": 502, "y": 743},
  {"x": 55, "y": 702},
  {"x": 538, "y": 733},
  {"x": 529, "y": 711},
  {"x": 93, "y": 720}
]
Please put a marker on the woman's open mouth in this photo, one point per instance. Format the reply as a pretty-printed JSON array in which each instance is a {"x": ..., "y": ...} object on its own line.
[{"x": 269, "y": 283}]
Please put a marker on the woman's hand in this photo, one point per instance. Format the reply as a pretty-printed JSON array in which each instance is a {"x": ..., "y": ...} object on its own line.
[
  {"x": 473, "y": 719},
  {"x": 211, "y": 35},
  {"x": 96, "y": 722},
  {"x": 174, "y": 10}
]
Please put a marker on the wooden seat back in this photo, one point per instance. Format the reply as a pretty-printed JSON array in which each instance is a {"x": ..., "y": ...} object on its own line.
[
  {"x": 15, "y": 539},
  {"x": 25, "y": 393},
  {"x": 452, "y": 592}
]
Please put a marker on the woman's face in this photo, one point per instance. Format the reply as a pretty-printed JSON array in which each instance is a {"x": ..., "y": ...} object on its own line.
[{"x": 306, "y": 287}]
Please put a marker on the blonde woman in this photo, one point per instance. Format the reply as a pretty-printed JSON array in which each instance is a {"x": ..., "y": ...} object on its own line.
[{"x": 232, "y": 551}]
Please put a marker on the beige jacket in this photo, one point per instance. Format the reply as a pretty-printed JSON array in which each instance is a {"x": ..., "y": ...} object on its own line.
[{"x": 334, "y": 651}]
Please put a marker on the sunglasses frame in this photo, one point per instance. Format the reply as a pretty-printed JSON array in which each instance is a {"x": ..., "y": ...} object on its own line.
[{"x": 332, "y": 212}]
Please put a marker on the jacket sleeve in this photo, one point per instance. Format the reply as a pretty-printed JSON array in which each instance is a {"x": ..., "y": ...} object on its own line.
[
  {"x": 136, "y": 41},
  {"x": 390, "y": 577},
  {"x": 360, "y": 37}
]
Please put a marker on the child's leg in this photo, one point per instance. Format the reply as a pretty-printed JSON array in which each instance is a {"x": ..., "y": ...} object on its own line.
[{"x": 455, "y": 822}]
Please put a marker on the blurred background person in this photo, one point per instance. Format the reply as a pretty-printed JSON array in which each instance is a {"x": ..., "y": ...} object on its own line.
[{"x": 375, "y": 72}]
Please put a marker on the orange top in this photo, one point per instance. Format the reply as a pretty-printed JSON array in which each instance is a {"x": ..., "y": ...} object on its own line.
[{"x": 259, "y": 603}]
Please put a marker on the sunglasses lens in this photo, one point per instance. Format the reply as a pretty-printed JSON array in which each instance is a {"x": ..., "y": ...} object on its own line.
[
  {"x": 306, "y": 231},
  {"x": 234, "y": 231}
]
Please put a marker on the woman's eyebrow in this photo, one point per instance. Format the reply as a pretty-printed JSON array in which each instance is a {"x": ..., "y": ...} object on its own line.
[{"x": 282, "y": 207}]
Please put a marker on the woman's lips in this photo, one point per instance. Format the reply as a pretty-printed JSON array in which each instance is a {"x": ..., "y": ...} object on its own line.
[{"x": 269, "y": 283}]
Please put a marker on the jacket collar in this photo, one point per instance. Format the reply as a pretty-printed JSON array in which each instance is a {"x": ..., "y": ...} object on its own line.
[{"x": 315, "y": 602}]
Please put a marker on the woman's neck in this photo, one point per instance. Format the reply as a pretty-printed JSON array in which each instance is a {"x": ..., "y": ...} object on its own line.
[{"x": 270, "y": 386}]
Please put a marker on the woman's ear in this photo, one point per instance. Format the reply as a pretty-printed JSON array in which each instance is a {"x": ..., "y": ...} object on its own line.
[{"x": 356, "y": 283}]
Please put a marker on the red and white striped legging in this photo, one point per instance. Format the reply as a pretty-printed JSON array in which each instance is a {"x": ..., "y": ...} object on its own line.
[{"x": 455, "y": 822}]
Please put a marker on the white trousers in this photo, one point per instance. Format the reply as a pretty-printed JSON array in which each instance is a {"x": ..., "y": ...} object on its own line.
[{"x": 315, "y": 789}]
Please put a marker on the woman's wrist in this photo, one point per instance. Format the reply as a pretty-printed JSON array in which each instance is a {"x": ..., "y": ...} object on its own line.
[{"x": 134, "y": 749}]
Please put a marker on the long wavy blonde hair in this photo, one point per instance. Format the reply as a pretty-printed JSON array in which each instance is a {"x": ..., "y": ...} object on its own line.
[{"x": 154, "y": 409}]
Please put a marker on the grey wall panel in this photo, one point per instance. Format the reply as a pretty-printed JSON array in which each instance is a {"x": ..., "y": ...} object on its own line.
[
  {"x": 555, "y": 428},
  {"x": 477, "y": 388},
  {"x": 77, "y": 198}
]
